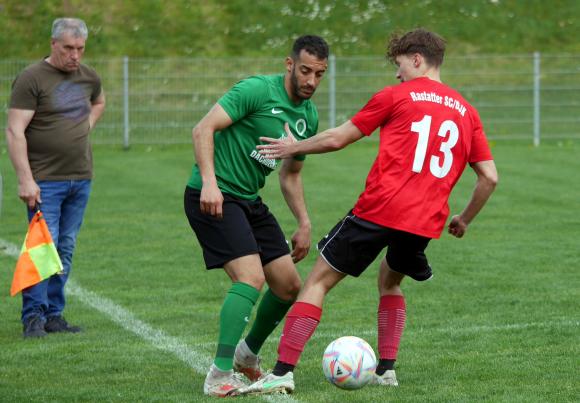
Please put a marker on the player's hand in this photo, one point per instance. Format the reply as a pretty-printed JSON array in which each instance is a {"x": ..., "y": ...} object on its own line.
[
  {"x": 300, "y": 244},
  {"x": 211, "y": 201},
  {"x": 29, "y": 193},
  {"x": 457, "y": 227},
  {"x": 278, "y": 148}
]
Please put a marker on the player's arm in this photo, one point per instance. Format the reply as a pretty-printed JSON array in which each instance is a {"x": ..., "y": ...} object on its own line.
[
  {"x": 329, "y": 140},
  {"x": 18, "y": 120},
  {"x": 97, "y": 109},
  {"x": 487, "y": 179},
  {"x": 211, "y": 198},
  {"x": 293, "y": 191}
]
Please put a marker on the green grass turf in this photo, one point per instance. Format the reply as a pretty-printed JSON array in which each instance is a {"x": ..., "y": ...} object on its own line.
[{"x": 499, "y": 321}]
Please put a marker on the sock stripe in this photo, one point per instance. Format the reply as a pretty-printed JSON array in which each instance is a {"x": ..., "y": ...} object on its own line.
[
  {"x": 300, "y": 324},
  {"x": 301, "y": 330},
  {"x": 224, "y": 350},
  {"x": 391, "y": 323}
]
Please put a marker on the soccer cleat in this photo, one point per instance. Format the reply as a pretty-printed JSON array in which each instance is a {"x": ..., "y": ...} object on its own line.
[
  {"x": 222, "y": 383},
  {"x": 389, "y": 378},
  {"x": 57, "y": 323},
  {"x": 271, "y": 384},
  {"x": 33, "y": 327},
  {"x": 247, "y": 363}
]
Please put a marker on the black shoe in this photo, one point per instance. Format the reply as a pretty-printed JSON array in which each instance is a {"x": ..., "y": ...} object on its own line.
[
  {"x": 34, "y": 327},
  {"x": 58, "y": 324}
]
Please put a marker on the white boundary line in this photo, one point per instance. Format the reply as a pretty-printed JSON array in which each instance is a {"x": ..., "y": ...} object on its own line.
[{"x": 199, "y": 362}]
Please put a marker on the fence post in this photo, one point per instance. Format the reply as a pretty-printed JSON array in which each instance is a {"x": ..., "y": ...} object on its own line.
[
  {"x": 126, "y": 102},
  {"x": 536, "y": 99},
  {"x": 332, "y": 91},
  {"x": 1, "y": 194}
]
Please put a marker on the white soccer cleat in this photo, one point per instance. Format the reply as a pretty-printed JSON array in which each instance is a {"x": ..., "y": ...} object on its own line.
[
  {"x": 389, "y": 378},
  {"x": 247, "y": 363},
  {"x": 270, "y": 384},
  {"x": 222, "y": 383}
]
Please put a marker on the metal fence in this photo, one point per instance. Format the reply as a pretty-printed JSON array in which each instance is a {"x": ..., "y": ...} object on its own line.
[{"x": 158, "y": 101}]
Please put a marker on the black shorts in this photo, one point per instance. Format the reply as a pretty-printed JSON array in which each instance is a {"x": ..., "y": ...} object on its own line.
[
  {"x": 247, "y": 228},
  {"x": 353, "y": 244}
]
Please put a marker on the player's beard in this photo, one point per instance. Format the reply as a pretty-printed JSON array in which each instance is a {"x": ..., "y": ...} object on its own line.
[{"x": 296, "y": 90}]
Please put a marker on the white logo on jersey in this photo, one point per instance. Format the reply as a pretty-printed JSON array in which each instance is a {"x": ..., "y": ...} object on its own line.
[
  {"x": 270, "y": 163},
  {"x": 300, "y": 127},
  {"x": 276, "y": 111}
]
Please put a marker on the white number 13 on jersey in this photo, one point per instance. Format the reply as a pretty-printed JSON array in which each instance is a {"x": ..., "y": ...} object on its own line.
[{"x": 423, "y": 128}]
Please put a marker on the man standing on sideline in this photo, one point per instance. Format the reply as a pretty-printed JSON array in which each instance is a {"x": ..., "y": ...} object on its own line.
[
  {"x": 234, "y": 227},
  {"x": 54, "y": 105},
  {"x": 428, "y": 134}
]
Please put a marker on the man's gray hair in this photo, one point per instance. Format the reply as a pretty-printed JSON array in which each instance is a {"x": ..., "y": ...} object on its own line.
[{"x": 74, "y": 26}]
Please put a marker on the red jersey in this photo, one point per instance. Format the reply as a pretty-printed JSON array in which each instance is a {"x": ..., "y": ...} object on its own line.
[{"x": 428, "y": 135}]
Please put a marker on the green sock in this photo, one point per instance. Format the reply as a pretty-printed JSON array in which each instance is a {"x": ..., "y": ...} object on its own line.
[
  {"x": 270, "y": 312},
  {"x": 234, "y": 317}
]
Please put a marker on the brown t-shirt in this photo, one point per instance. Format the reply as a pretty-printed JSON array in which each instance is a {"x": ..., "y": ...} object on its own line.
[{"x": 58, "y": 134}]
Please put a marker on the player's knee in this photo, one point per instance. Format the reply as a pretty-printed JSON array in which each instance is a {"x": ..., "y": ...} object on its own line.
[
  {"x": 294, "y": 289},
  {"x": 290, "y": 290},
  {"x": 258, "y": 283},
  {"x": 256, "y": 280}
]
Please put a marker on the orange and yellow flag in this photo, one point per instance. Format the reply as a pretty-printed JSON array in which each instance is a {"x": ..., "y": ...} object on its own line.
[{"x": 38, "y": 258}]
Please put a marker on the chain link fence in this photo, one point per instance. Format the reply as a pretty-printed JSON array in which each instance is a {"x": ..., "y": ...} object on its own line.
[{"x": 158, "y": 101}]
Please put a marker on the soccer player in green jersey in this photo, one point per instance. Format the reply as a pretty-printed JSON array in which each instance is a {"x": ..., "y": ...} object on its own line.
[{"x": 234, "y": 227}]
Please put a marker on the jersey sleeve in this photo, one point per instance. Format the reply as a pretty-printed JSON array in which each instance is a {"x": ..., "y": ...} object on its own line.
[
  {"x": 244, "y": 97},
  {"x": 375, "y": 113},
  {"x": 24, "y": 92},
  {"x": 479, "y": 147},
  {"x": 97, "y": 87}
]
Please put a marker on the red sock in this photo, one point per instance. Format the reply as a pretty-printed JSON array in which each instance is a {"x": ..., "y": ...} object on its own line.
[
  {"x": 301, "y": 323},
  {"x": 391, "y": 321}
]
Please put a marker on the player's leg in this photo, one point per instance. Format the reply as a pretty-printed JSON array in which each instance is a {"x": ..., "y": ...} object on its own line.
[
  {"x": 283, "y": 278},
  {"x": 305, "y": 314},
  {"x": 405, "y": 257},
  {"x": 284, "y": 284},
  {"x": 283, "y": 281},
  {"x": 391, "y": 318},
  {"x": 247, "y": 280},
  {"x": 225, "y": 243},
  {"x": 299, "y": 326}
]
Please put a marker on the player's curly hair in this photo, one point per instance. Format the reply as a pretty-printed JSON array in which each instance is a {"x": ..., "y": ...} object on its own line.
[
  {"x": 312, "y": 44},
  {"x": 428, "y": 44}
]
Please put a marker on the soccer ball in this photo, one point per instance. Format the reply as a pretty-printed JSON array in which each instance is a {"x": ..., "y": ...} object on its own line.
[{"x": 349, "y": 362}]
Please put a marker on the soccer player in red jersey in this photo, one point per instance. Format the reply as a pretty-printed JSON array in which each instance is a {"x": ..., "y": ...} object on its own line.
[{"x": 428, "y": 134}]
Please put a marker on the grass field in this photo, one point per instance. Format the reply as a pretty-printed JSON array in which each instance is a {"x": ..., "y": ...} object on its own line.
[{"x": 500, "y": 321}]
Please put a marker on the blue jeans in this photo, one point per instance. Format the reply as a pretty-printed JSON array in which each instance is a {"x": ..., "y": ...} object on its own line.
[{"x": 63, "y": 207}]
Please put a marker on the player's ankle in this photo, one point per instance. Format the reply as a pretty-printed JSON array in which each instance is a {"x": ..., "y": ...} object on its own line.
[{"x": 282, "y": 368}]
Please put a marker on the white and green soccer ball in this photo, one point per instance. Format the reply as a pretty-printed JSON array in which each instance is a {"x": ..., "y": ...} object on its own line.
[{"x": 349, "y": 362}]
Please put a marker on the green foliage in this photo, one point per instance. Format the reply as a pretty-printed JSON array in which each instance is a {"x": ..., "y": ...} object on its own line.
[
  {"x": 151, "y": 28},
  {"x": 498, "y": 322}
]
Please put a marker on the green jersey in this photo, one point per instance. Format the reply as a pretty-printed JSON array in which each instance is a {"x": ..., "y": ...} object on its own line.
[{"x": 258, "y": 106}]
